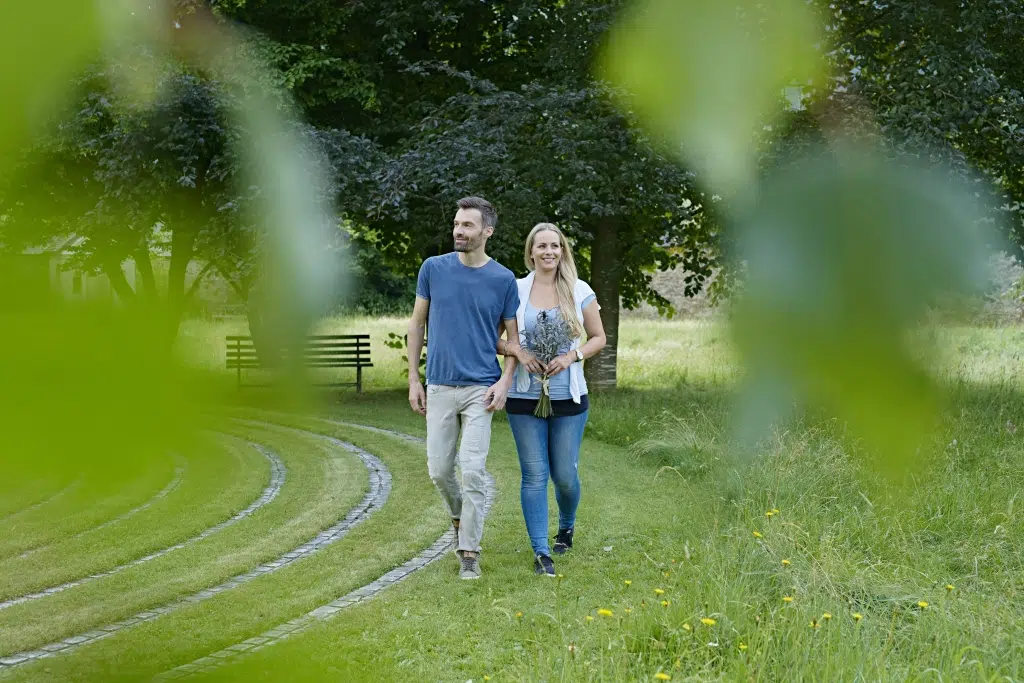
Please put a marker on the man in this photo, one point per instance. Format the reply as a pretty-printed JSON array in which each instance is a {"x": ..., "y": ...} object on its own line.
[{"x": 464, "y": 297}]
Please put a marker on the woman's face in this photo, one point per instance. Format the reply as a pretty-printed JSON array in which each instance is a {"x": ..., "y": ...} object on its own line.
[{"x": 547, "y": 251}]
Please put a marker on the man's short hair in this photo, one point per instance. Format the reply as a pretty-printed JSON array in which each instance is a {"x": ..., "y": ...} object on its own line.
[{"x": 486, "y": 209}]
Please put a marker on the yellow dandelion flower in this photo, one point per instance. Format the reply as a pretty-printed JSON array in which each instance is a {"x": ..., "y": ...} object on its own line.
[
  {"x": 679, "y": 664},
  {"x": 666, "y": 574},
  {"x": 788, "y": 598},
  {"x": 659, "y": 591},
  {"x": 486, "y": 677},
  {"x": 628, "y": 582},
  {"x": 589, "y": 618},
  {"x": 769, "y": 514},
  {"x": 707, "y": 621},
  {"x": 949, "y": 588},
  {"x": 665, "y": 603},
  {"x": 814, "y": 623},
  {"x": 561, "y": 576},
  {"x": 662, "y": 676},
  {"x": 673, "y": 561},
  {"x": 922, "y": 604},
  {"x": 786, "y": 563},
  {"x": 628, "y": 610},
  {"x": 757, "y": 534},
  {"x": 606, "y": 612},
  {"x": 775, "y": 511},
  {"x": 743, "y": 646},
  {"x": 687, "y": 627},
  {"x": 826, "y": 616},
  {"x": 857, "y": 616},
  {"x": 519, "y": 615}
]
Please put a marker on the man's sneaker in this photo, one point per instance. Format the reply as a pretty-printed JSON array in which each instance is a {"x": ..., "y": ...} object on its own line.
[
  {"x": 470, "y": 567},
  {"x": 563, "y": 541},
  {"x": 544, "y": 566}
]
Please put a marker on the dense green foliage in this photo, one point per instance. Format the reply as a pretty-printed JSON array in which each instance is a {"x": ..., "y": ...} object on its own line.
[{"x": 419, "y": 102}]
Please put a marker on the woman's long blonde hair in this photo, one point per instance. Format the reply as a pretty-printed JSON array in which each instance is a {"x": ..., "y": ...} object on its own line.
[{"x": 565, "y": 276}]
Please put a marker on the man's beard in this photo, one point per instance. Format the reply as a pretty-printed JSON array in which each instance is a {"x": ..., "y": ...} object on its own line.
[{"x": 468, "y": 245}]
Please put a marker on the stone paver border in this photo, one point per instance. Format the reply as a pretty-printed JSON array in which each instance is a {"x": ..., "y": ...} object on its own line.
[
  {"x": 323, "y": 613},
  {"x": 179, "y": 473},
  {"x": 380, "y": 489},
  {"x": 277, "y": 477}
]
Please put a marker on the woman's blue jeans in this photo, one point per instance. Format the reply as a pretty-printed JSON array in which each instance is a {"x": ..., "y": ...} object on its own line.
[{"x": 548, "y": 447}]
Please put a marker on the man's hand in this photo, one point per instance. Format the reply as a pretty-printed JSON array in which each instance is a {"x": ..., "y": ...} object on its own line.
[
  {"x": 558, "y": 364},
  {"x": 417, "y": 398},
  {"x": 496, "y": 396}
]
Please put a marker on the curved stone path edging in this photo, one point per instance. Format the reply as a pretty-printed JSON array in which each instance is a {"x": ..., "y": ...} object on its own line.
[
  {"x": 277, "y": 477},
  {"x": 45, "y": 501},
  {"x": 380, "y": 489},
  {"x": 179, "y": 473},
  {"x": 295, "y": 626}
]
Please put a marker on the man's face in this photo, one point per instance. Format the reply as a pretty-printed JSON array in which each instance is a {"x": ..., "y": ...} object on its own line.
[{"x": 469, "y": 231}]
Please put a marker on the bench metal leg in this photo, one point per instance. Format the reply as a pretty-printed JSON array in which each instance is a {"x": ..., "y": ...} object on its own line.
[
  {"x": 359, "y": 379},
  {"x": 238, "y": 375}
]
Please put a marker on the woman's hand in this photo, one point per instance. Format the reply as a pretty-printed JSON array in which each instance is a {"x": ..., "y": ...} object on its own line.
[
  {"x": 529, "y": 361},
  {"x": 559, "y": 363}
]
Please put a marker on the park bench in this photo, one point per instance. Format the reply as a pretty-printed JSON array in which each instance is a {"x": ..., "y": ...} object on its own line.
[{"x": 320, "y": 351}]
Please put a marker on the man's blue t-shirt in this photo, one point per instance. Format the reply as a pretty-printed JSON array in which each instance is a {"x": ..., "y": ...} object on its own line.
[{"x": 466, "y": 307}]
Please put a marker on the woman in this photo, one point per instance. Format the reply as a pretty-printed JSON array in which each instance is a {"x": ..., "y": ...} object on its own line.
[{"x": 550, "y": 447}]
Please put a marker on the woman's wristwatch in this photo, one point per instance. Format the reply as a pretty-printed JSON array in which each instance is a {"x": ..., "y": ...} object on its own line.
[{"x": 579, "y": 355}]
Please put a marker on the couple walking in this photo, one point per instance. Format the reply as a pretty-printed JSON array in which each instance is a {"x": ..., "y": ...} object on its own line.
[{"x": 465, "y": 300}]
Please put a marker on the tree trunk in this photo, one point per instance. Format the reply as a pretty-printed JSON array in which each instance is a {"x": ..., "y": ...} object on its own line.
[
  {"x": 182, "y": 245},
  {"x": 145, "y": 267},
  {"x": 604, "y": 278},
  {"x": 124, "y": 291}
]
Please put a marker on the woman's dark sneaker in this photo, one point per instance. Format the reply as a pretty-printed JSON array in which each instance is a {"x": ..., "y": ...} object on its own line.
[
  {"x": 544, "y": 565},
  {"x": 563, "y": 541}
]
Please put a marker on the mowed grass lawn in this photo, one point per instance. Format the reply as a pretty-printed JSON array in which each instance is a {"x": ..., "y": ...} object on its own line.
[{"x": 793, "y": 564}]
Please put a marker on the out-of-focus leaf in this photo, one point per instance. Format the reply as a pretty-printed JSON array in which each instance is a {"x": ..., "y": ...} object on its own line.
[
  {"x": 88, "y": 388},
  {"x": 707, "y": 73},
  {"x": 845, "y": 251},
  {"x": 42, "y": 45}
]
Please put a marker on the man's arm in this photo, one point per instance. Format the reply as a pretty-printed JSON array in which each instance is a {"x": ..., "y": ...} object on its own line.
[
  {"x": 497, "y": 395},
  {"x": 417, "y": 328},
  {"x": 511, "y": 346}
]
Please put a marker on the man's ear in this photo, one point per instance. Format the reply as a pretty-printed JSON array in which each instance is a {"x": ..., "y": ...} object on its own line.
[{"x": 488, "y": 231}]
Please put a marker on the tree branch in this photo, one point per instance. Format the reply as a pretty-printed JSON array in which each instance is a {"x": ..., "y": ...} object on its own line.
[
  {"x": 145, "y": 266},
  {"x": 223, "y": 272},
  {"x": 124, "y": 291},
  {"x": 194, "y": 287}
]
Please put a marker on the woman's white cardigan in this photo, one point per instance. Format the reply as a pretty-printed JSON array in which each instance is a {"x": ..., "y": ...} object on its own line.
[{"x": 577, "y": 385}]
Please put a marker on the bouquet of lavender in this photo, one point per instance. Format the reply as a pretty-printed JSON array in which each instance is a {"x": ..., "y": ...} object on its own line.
[{"x": 547, "y": 339}]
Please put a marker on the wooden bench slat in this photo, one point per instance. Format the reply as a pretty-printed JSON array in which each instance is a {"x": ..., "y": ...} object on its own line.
[
  {"x": 307, "y": 354},
  {"x": 328, "y": 337},
  {"x": 335, "y": 352},
  {"x": 252, "y": 365},
  {"x": 361, "y": 347}
]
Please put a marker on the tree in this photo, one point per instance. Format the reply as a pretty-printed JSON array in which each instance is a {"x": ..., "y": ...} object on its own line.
[
  {"x": 546, "y": 153},
  {"x": 939, "y": 79},
  {"x": 131, "y": 182},
  {"x": 497, "y": 99}
]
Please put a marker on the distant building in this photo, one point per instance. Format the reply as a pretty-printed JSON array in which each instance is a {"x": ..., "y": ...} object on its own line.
[{"x": 48, "y": 268}]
